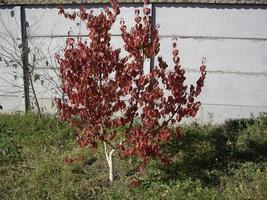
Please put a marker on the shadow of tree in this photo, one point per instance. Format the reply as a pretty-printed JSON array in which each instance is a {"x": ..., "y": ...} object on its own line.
[{"x": 208, "y": 152}]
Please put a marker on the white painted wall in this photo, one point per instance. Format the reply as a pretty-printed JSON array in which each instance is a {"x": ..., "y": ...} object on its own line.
[
  {"x": 11, "y": 83},
  {"x": 233, "y": 39}
]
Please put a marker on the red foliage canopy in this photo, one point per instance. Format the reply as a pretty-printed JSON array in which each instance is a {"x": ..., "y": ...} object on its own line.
[{"x": 100, "y": 84}]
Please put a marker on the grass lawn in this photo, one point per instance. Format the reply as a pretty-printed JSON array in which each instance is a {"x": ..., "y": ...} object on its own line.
[{"x": 226, "y": 161}]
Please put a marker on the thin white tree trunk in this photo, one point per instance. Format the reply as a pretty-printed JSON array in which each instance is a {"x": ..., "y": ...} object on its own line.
[{"x": 109, "y": 157}]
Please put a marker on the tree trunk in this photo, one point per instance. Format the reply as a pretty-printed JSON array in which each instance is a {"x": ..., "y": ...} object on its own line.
[
  {"x": 109, "y": 157},
  {"x": 35, "y": 97}
]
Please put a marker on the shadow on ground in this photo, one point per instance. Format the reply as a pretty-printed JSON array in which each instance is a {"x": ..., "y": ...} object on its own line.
[{"x": 206, "y": 153}]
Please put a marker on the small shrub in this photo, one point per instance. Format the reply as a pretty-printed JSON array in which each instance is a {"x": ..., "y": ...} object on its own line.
[{"x": 248, "y": 182}]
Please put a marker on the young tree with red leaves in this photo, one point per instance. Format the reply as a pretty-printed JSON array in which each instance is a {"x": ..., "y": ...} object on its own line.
[{"x": 100, "y": 84}]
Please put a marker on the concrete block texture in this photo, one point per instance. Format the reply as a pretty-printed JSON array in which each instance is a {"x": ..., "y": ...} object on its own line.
[{"x": 232, "y": 39}]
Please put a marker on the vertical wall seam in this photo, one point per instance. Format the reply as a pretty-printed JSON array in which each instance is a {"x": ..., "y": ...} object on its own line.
[
  {"x": 25, "y": 58},
  {"x": 153, "y": 15}
]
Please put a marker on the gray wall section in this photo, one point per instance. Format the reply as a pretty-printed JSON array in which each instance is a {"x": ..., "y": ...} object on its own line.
[
  {"x": 233, "y": 39},
  {"x": 11, "y": 82}
]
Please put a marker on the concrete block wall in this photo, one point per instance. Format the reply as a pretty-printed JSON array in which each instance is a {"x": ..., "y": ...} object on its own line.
[{"x": 232, "y": 38}]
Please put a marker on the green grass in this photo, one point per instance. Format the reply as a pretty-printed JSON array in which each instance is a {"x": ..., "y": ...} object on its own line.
[{"x": 209, "y": 162}]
